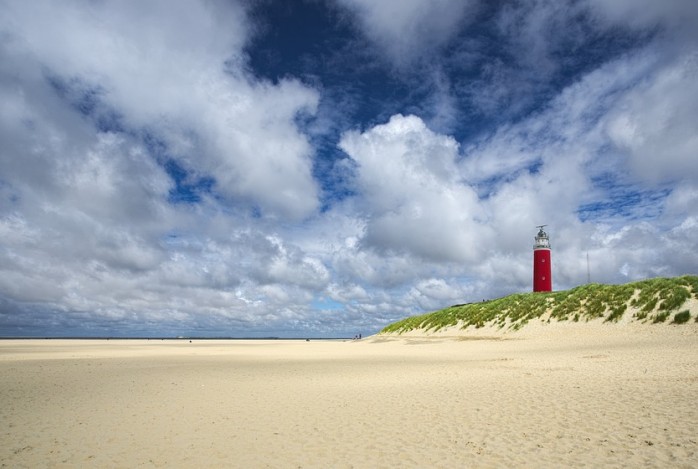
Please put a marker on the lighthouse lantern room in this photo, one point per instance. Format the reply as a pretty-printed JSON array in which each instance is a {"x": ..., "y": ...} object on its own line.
[{"x": 542, "y": 268}]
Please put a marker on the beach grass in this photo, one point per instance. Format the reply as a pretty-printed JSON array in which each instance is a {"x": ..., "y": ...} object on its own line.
[
  {"x": 682, "y": 317},
  {"x": 652, "y": 300}
]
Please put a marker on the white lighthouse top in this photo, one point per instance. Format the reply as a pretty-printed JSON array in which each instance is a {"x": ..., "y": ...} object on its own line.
[{"x": 542, "y": 240}]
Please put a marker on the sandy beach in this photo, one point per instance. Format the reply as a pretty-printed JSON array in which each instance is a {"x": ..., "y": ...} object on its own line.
[{"x": 585, "y": 395}]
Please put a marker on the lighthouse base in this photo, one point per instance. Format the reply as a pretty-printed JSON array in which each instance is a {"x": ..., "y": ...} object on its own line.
[{"x": 542, "y": 275}]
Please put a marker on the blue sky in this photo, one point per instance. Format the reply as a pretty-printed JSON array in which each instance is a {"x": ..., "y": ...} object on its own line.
[{"x": 325, "y": 167}]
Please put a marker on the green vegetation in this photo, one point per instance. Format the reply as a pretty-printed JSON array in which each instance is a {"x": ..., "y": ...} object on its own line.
[
  {"x": 682, "y": 317},
  {"x": 652, "y": 300},
  {"x": 661, "y": 317}
]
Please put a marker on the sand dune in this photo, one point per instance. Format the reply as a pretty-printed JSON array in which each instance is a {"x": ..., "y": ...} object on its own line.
[{"x": 611, "y": 396}]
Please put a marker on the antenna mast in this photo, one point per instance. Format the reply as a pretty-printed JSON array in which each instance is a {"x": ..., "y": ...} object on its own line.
[{"x": 588, "y": 271}]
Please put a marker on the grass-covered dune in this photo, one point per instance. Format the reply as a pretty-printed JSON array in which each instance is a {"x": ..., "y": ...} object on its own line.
[{"x": 651, "y": 301}]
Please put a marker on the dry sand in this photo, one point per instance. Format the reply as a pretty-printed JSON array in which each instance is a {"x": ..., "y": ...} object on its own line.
[{"x": 548, "y": 396}]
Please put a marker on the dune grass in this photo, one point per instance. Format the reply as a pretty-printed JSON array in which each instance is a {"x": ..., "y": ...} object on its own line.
[
  {"x": 653, "y": 300},
  {"x": 682, "y": 317}
]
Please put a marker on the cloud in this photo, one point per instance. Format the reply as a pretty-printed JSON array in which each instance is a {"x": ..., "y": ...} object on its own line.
[
  {"x": 176, "y": 70},
  {"x": 545, "y": 46},
  {"x": 436, "y": 293},
  {"x": 409, "y": 30},
  {"x": 290, "y": 266},
  {"x": 409, "y": 186},
  {"x": 655, "y": 124},
  {"x": 532, "y": 30},
  {"x": 643, "y": 14}
]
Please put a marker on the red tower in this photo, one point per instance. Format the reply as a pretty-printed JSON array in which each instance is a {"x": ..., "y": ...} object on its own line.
[{"x": 542, "y": 268}]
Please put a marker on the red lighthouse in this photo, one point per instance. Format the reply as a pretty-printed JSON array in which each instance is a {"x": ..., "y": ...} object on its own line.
[{"x": 542, "y": 268}]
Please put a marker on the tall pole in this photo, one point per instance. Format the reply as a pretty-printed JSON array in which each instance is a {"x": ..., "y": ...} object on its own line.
[{"x": 588, "y": 271}]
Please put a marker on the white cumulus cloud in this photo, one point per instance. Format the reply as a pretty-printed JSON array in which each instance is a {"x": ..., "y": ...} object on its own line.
[{"x": 410, "y": 185}]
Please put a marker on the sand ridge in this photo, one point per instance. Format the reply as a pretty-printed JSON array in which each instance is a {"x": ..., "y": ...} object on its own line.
[{"x": 547, "y": 398}]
